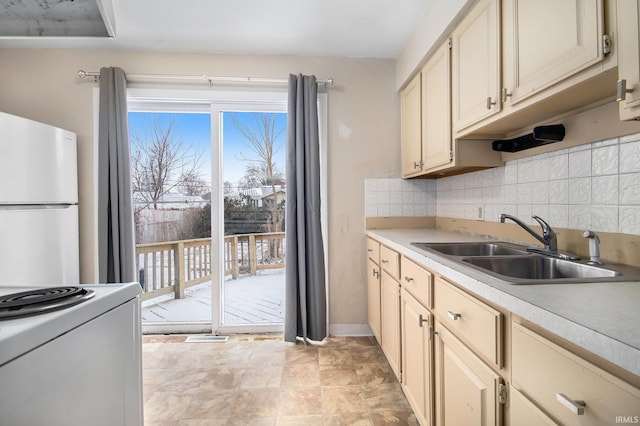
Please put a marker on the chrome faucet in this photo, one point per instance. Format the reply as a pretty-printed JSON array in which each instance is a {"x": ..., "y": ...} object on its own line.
[{"x": 548, "y": 237}]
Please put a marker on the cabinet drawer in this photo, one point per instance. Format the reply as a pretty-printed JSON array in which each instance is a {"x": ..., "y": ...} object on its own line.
[
  {"x": 390, "y": 262},
  {"x": 373, "y": 250},
  {"x": 417, "y": 281},
  {"x": 553, "y": 378},
  {"x": 473, "y": 321}
]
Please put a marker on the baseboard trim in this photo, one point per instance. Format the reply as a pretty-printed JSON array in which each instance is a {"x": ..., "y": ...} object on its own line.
[{"x": 349, "y": 330}]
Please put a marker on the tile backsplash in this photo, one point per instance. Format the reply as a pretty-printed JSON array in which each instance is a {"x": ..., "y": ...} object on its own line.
[
  {"x": 593, "y": 186},
  {"x": 399, "y": 197}
]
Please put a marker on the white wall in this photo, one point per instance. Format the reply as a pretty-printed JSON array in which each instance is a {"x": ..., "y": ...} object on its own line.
[{"x": 363, "y": 134}]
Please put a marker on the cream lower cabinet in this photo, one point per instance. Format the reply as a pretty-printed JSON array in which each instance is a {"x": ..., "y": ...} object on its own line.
[
  {"x": 524, "y": 412},
  {"x": 467, "y": 391},
  {"x": 373, "y": 287},
  {"x": 417, "y": 357},
  {"x": 568, "y": 388},
  {"x": 373, "y": 298},
  {"x": 390, "y": 321}
]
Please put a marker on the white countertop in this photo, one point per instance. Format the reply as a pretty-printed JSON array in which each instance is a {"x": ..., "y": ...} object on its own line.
[{"x": 603, "y": 318}]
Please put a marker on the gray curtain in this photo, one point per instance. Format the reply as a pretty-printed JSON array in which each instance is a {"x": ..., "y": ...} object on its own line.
[
  {"x": 305, "y": 288},
  {"x": 116, "y": 247}
]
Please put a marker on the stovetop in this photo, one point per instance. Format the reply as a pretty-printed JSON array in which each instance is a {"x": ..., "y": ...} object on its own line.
[
  {"x": 21, "y": 334},
  {"x": 39, "y": 301}
]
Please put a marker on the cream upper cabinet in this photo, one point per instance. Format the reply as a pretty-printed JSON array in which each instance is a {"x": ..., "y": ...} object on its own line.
[
  {"x": 476, "y": 65},
  {"x": 629, "y": 59},
  {"x": 390, "y": 320},
  {"x": 546, "y": 41},
  {"x": 467, "y": 391},
  {"x": 411, "y": 137},
  {"x": 417, "y": 357},
  {"x": 428, "y": 148},
  {"x": 436, "y": 125}
]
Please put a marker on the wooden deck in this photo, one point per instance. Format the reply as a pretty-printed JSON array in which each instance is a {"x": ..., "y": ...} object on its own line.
[{"x": 257, "y": 299}]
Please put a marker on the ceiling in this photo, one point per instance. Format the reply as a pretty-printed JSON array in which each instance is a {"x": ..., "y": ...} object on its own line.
[{"x": 346, "y": 28}]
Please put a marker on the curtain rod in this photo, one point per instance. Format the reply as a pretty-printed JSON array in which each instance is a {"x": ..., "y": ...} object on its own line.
[{"x": 210, "y": 79}]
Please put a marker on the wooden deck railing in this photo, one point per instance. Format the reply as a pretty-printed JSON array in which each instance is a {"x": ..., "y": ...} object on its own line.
[{"x": 170, "y": 267}]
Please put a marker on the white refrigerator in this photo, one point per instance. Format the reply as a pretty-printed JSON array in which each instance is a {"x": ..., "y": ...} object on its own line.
[{"x": 39, "y": 244}]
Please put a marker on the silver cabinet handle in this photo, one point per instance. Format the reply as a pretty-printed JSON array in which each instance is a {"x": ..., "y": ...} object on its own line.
[
  {"x": 575, "y": 406},
  {"x": 384, "y": 261},
  {"x": 489, "y": 103},
  {"x": 421, "y": 320},
  {"x": 417, "y": 164},
  {"x": 369, "y": 250},
  {"x": 432, "y": 332},
  {"x": 504, "y": 94},
  {"x": 621, "y": 90},
  {"x": 453, "y": 316},
  {"x": 375, "y": 273},
  {"x": 408, "y": 279}
]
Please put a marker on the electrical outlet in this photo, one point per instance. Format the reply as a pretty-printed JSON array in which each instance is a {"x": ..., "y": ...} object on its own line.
[{"x": 480, "y": 211}]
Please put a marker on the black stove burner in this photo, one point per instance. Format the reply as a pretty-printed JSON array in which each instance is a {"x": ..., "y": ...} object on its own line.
[{"x": 42, "y": 300}]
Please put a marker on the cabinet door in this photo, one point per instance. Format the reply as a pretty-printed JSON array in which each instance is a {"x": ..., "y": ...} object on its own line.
[
  {"x": 390, "y": 321},
  {"x": 411, "y": 127},
  {"x": 466, "y": 389},
  {"x": 373, "y": 297},
  {"x": 524, "y": 412},
  {"x": 546, "y": 41},
  {"x": 417, "y": 357},
  {"x": 629, "y": 58},
  {"x": 436, "y": 94},
  {"x": 476, "y": 65}
]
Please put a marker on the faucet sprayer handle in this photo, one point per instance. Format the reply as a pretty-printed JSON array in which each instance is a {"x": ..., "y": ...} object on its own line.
[
  {"x": 548, "y": 234},
  {"x": 546, "y": 229}
]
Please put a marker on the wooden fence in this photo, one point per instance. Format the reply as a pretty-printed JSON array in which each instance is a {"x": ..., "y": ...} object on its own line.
[{"x": 170, "y": 267}]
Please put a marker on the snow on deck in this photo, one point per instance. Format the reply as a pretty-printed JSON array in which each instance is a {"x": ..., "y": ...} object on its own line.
[{"x": 255, "y": 299}]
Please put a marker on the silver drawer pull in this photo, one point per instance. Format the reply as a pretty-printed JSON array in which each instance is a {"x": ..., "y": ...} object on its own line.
[
  {"x": 453, "y": 316},
  {"x": 384, "y": 261},
  {"x": 576, "y": 407},
  {"x": 369, "y": 250},
  {"x": 408, "y": 279}
]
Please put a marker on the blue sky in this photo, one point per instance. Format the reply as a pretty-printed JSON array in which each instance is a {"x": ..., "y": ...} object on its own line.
[{"x": 195, "y": 130}]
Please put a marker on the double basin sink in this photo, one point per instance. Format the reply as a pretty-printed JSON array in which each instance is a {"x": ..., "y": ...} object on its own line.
[{"x": 514, "y": 264}]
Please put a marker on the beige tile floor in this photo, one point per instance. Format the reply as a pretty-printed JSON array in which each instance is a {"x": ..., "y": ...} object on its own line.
[{"x": 260, "y": 380}]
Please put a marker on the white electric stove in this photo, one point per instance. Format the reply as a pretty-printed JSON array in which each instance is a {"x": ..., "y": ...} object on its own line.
[{"x": 77, "y": 364}]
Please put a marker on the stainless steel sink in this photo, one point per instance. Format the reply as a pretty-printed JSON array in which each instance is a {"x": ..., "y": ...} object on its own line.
[
  {"x": 513, "y": 264},
  {"x": 542, "y": 268},
  {"x": 474, "y": 248}
]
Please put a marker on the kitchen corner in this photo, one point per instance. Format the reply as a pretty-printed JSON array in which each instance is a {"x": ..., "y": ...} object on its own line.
[{"x": 599, "y": 317}]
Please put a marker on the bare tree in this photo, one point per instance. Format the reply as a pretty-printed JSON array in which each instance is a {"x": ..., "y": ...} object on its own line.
[
  {"x": 160, "y": 162},
  {"x": 262, "y": 138},
  {"x": 258, "y": 175},
  {"x": 193, "y": 184}
]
